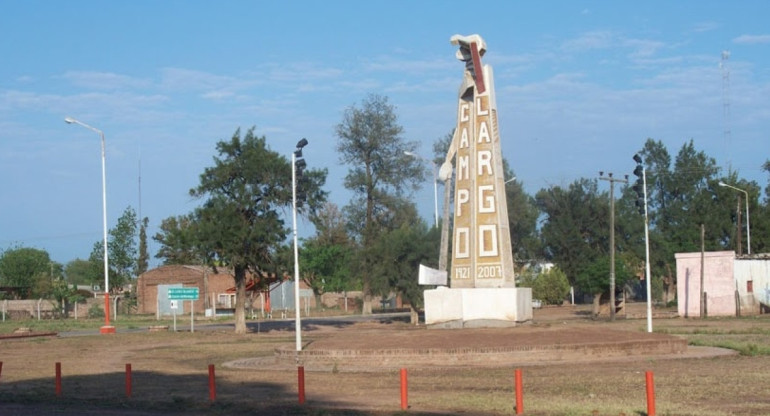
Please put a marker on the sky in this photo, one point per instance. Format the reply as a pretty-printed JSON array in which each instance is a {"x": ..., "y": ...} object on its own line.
[{"x": 580, "y": 86}]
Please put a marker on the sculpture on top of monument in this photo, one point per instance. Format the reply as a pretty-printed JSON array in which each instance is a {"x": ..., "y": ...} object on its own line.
[{"x": 481, "y": 245}]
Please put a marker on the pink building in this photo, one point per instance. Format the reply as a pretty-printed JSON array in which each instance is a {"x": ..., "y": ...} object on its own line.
[{"x": 733, "y": 285}]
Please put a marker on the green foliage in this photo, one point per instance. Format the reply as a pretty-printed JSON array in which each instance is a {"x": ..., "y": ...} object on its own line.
[
  {"x": 239, "y": 224},
  {"x": 396, "y": 258},
  {"x": 81, "y": 272},
  {"x": 549, "y": 286},
  {"x": 177, "y": 241},
  {"x": 575, "y": 231},
  {"x": 96, "y": 311},
  {"x": 122, "y": 249},
  {"x": 370, "y": 142},
  {"x": 143, "y": 260},
  {"x": 22, "y": 268},
  {"x": 595, "y": 278}
]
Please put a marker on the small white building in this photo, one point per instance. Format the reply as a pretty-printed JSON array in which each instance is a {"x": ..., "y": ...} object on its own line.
[{"x": 733, "y": 285}]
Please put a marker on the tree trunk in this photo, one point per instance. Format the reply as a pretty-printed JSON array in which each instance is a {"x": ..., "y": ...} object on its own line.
[
  {"x": 366, "y": 305},
  {"x": 414, "y": 317},
  {"x": 597, "y": 304},
  {"x": 240, "y": 300}
]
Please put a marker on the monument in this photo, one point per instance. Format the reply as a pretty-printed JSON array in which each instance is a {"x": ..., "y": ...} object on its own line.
[{"x": 482, "y": 291}]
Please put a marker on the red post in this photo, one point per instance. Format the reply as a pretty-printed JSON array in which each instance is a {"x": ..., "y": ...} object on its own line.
[
  {"x": 301, "y": 384},
  {"x": 212, "y": 384},
  {"x": 58, "y": 379},
  {"x": 404, "y": 390},
  {"x": 519, "y": 392},
  {"x": 650, "y": 394},
  {"x": 1, "y": 368},
  {"x": 128, "y": 380}
]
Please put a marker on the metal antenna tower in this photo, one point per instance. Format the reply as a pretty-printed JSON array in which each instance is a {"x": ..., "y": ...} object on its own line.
[{"x": 726, "y": 106}]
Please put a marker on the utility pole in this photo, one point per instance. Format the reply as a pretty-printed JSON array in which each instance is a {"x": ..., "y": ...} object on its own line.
[{"x": 612, "y": 181}]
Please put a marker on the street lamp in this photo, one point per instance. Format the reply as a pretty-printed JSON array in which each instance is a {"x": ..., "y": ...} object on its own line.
[
  {"x": 748, "y": 227},
  {"x": 297, "y": 167},
  {"x": 641, "y": 191},
  {"x": 107, "y": 328},
  {"x": 435, "y": 182}
]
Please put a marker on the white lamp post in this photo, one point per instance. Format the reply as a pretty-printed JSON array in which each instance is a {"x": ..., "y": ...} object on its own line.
[
  {"x": 435, "y": 183},
  {"x": 107, "y": 328},
  {"x": 641, "y": 172},
  {"x": 748, "y": 227},
  {"x": 295, "y": 166}
]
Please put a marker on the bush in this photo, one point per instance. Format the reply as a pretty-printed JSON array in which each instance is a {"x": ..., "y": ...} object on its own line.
[
  {"x": 550, "y": 286},
  {"x": 95, "y": 311}
]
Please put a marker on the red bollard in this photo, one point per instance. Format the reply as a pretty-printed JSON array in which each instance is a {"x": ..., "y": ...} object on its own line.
[
  {"x": 404, "y": 390},
  {"x": 650, "y": 394},
  {"x": 128, "y": 380},
  {"x": 301, "y": 384},
  {"x": 519, "y": 392},
  {"x": 1, "y": 368},
  {"x": 212, "y": 384},
  {"x": 58, "y": 379}
]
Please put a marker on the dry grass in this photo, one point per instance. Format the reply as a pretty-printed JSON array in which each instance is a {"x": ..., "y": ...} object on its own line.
[{"x": 170, "y": 377}]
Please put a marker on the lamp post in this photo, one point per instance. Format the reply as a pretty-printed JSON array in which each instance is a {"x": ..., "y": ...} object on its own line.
[
  {"x": 748, "y": 227},
  {"x": 107, "y": 328},
  {"x": 641, "y": 190},
  {"x": 435, "y": 183},
  {"x": 297, "y": 166}
]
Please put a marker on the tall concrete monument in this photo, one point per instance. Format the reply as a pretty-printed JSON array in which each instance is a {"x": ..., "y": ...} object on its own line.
[{"x": 482, "y": 290}]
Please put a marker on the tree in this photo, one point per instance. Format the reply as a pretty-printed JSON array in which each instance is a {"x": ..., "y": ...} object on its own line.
[
  {"x": 239, "y": 224},
  {"x": 122, "y": 245},
  {"x": 22, "y": 267},
  {"x": 575, "y": 228},
  {"x": 396, "y": 259},
  {"x": 593, "y": 279},
  {"x": 522, "y": 219},
  {"x": 80, "y": 272},
  {"x": 551, "y": 286},
  {"x": 325, "y": 258},
  {"x": 142, "y": 262},
  {"x": 176, "y": 239},
  {"x": 370, "y": 142}
]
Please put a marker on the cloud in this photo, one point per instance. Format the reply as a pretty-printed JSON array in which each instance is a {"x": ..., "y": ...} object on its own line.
[
  {"x": 104, "y": 80},
  {"x": 642, "y": 48},
  {"x": 589, "y": 41},
  {"x": 751, "y": 39},
  {"x": 705, "y": 26}
]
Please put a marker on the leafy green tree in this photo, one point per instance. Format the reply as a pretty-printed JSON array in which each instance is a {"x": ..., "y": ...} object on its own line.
[
  {"x": 396, "y": 259},
  {"x": 325, "y": 258},
  {"x": 370, "y": 142},
  {"x": 550, "y": 286},
  {"x": 142, "y": 262},
  {"x": 239, "y": 224},
  {"x": 522, "y": 219},
  {"x": 22, "y": 267},
  {"x": 594, "y": 279},
  {"x": 81, "y": 272},
  {"x": 123, "y": 253},
  {"x": 177, "y": 241},
  {"x": 575, "y": 227}
]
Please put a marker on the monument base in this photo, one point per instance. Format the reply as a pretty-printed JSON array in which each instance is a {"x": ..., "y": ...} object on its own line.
[{"x": 477, "y": 307}]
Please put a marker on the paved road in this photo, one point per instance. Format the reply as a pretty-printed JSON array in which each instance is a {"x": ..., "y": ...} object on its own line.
[{"x": 264, "y": 325}]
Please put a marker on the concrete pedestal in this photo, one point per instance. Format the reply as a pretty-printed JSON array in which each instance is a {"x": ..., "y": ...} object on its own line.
[{"x": 477, "y": 307}]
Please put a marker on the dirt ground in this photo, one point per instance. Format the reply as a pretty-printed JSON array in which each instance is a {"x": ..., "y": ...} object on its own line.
[{"x": 170, "y": 373}]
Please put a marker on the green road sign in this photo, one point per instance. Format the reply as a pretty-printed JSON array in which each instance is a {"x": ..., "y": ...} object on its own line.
[{"x": 183, "y": 293}]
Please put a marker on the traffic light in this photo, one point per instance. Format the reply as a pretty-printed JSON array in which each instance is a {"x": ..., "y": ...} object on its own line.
[
  {"x": 299, "y": 170},
  {"x": 639, "y": 185}
]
